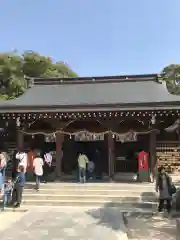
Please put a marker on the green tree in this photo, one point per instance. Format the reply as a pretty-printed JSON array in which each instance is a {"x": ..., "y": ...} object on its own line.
[
  {"x": 171, "y": 74},
  {"x": 64, "y": 70},
  {"x": 12, "y": 81},
  {"x": 35, "y": 65},
  {"x": 15, "y": 69}
]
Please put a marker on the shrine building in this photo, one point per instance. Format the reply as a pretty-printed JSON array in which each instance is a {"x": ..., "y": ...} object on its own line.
[{"x": 117, "y": 116}]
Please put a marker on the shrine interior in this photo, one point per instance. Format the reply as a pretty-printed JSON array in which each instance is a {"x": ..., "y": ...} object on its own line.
[{"x": 72, "y": 148}]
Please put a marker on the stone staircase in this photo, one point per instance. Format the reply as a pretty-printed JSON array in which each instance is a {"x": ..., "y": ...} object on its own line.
[{"x": 134, "y": 196}]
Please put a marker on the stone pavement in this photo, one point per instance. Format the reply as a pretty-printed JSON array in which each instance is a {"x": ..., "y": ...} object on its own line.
[
  {"x": 8, "y": 218},
  {"x": 146, "y": 226},
  {"x": 68, "y": 223}
]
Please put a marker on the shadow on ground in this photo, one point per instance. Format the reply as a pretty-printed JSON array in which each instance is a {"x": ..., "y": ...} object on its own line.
[
  {"x": 137, "y": 225},
  {"x": 150, "y": 226},
  {"x": 108, "y": 216}
]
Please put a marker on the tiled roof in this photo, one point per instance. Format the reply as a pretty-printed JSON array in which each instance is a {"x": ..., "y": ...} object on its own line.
[{"x": 95, "y": 93}]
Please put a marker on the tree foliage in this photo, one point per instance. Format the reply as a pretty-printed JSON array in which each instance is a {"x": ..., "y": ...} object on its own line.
[
  {"x": 171, "y": 74},
  {"x": 15, "y": 69}
]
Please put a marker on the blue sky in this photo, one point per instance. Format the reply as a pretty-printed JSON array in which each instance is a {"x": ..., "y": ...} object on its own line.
[{"x": 95, "y": 37}]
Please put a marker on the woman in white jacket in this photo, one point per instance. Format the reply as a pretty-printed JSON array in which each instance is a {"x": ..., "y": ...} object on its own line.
[
  {"x": 2, "y": 168},
  {"x": 38, "y": 170}
]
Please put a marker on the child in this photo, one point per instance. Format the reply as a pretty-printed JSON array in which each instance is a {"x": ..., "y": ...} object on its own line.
[
  {"x": 7, "y": 189},
  {"x": 19, "y": 186}
]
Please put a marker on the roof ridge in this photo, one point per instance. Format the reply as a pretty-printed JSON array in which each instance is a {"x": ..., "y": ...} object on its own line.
[{"x": 91, "y": 80}]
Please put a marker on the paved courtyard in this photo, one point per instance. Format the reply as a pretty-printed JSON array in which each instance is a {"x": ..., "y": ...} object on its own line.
[{"x": 65, "y": 224}]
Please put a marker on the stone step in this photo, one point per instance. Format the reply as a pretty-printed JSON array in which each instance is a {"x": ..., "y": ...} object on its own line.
[
  {"x": 88, "y": 203},
  {"x": 95, "y": 186},
  {"x": 91, "y": 192},
  {"x": 121, "y": 208},
  {"x": 77, "y": 197}
]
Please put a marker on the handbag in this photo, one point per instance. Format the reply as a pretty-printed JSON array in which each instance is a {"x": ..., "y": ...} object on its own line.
[{"x": 172, "y": 189}]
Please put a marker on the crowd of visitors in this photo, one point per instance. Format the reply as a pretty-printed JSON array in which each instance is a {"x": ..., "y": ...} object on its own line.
[
  {"x": 39, "y": 164},
  {"x": 29, "y": 163}
]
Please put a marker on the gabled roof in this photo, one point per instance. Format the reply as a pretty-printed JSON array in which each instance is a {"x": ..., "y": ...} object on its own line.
[{"x": 121, "y": 92}]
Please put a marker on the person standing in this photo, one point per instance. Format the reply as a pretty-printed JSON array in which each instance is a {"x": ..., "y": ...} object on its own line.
[
  {"x": 23, "y": 159},
  {"x": 164, "y": 187},
  {"x": 2, "y": 168},
  {"x": 38, "y": 170},
  {"x": 15, "y": 163},
  {"x": 91, "y": 167},
  {"x": 18, "y": 187},
  {"x": 82, "y": 163},
  {"x": 47, "y": 165}
]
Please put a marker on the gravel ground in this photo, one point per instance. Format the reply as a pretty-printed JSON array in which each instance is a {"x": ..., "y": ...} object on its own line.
[{"x": 147, "y": 226}]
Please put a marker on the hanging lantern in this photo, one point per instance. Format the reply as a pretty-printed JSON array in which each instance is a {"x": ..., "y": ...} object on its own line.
[
  {"x": 153, "y": 119},
  {"x": 46, "y": 139},
  {"x": 18, "y": 122}
]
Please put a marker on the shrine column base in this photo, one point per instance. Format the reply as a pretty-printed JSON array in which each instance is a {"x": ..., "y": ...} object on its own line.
[{"x": 59, "y": 154}]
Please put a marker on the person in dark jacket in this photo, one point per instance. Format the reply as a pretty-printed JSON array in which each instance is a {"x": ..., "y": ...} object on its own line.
[
  {"x": 163, "y": 186},
  {"x": 19, "y": 186},
  {"x": 15, "y": 163}
]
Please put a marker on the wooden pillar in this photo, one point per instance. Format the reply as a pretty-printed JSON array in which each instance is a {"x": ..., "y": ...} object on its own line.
[
  {"x": 110, "y": 156},
  {"x": 111, "y": 125},
  {"x": 152, "y": 153},
  {"x": 59, "y": 154}
]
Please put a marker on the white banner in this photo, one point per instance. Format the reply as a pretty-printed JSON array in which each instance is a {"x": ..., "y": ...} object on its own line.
[
  {"x": 88, "y": 137},
  {"x": 126, "y": 137}
]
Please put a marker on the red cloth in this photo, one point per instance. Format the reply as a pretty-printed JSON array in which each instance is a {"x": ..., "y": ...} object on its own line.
[{"x": 143, "y": 159}]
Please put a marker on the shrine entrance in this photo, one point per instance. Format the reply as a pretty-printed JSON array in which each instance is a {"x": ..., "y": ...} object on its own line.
[{"x": 86, "y": 138}]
